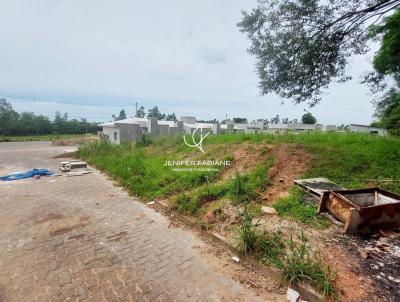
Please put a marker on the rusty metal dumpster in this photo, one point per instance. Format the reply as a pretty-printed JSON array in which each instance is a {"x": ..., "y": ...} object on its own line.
[{"x": 363, "y": 210}]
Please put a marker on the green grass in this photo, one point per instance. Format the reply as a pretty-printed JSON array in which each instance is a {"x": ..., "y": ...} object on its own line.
[
  {"x": 349, "y": 159},
  {"x": 47, "y": 137},
  {"x": 186, "y": 204},
  {"x": 142, "y": 169},
  {"x": 345, "y": 158},
  {"x": 293, "y": 206}
]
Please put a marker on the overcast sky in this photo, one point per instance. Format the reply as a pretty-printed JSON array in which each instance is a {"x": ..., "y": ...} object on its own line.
[{"x": 91, "y": 58}]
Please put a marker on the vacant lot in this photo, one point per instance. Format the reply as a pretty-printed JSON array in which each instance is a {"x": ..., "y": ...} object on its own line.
[{"x": 262, "y": 171}]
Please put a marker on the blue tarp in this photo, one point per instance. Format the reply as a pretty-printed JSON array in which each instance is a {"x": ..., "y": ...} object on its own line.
[{"x": 27, "y": 174}]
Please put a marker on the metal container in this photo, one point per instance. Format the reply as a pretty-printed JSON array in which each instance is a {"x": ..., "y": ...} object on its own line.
[{"x": 363, "y": 210}]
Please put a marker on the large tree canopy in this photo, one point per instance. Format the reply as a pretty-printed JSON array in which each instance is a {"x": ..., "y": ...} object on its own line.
[
  {"x": 302, "y": 45},
  {"x": 387, "y": 66}
]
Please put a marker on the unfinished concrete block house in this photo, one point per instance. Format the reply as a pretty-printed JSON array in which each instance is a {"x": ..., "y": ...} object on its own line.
[{"x": 131, "y": 129}]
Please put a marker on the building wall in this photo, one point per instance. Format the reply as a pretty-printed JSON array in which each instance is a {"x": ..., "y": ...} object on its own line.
[
  {"x": 128, "y": 132},
  {"x": 163, "y": 129},
  {"x": 188, "y": 119},
  {"x": 112, "y": 133},
  {"x": 367, "y": 129}
]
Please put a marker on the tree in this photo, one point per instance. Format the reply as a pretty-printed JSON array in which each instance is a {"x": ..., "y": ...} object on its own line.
[
  {"x": 140, "y": 113},
  {"x": 308, "y": 118},
  {"x": 388, "y": 111},
  {"x": 171, "y": 117},
  {"x": 387, "y": 66},
  {"x": 121, "y": 116},
  {"x": 8, "y": 118},
  {"x": 155, "y": 112},
  {"x": 275, "y": 120},
  {"x": 213, "y": 121},
  {"x": 302, "y": 45},
  {"x": 240, "y": 120}
]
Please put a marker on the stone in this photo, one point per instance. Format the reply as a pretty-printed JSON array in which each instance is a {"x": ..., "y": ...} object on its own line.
[{"x": 268, "y": 210}]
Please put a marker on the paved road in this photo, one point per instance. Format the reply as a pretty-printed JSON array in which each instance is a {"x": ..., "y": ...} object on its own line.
[{"x": 82, "y": 239}]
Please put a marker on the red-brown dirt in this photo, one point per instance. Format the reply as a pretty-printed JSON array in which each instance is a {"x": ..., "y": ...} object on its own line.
[{"x": 291, "y": 162}]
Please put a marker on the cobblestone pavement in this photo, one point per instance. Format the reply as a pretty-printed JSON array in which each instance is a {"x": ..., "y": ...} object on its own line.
[{"x": 82, "y": 239}]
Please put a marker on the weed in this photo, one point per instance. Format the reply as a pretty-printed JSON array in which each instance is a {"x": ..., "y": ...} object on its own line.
[
  {"x": 144, "y": 141},
  {"x": 247, "y": 233},
  {"x": 300, "y": 263},
  {"x": 240, "y": 189},
  {"x": 271, "y": 248},
  {"x": 210, "y": 192}
]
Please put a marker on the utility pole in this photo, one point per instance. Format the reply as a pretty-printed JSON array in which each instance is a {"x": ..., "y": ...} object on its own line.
[{"x": 136, "y": 109}]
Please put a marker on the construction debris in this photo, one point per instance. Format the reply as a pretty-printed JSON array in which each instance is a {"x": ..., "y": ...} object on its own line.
[
  {"x": 293, "y": 296},
  {"x": 74, "y": 168},
  {"x": 317, "y": 186},
  {"x": 77, "y": 173},
  {"x": 66, "y": 166},
  {"x": 236, "y": 259}
]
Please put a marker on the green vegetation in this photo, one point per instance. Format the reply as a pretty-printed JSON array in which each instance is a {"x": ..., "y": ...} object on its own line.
[
  {"x": 247, "y": 233},
  {"x": 300, "y": 263},
  {"x": 387, "y": 65},
  {"x": 27, "y": 123},
  {"x": 47, "y": 137},
  {"x": 185, "y": 204},
  {"x": 297, "y": 261},
  {"x": 142, "y": 170},
  {"x": 351, "y": 160},
  {"x": 293, "y": 206}
]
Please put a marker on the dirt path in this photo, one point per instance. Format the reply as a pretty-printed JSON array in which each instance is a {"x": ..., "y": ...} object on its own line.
[
  {"x": 82, "y": 239},
  {"x": 291, "y": 162}
]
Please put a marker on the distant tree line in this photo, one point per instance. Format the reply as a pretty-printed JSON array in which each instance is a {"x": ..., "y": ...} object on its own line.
[
  {"x": 141, "y": 113},
  {"x": 28, "y": 123}
]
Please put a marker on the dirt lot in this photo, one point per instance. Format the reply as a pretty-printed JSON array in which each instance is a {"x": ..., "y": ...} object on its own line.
[{"x": 82, "y": 239}]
